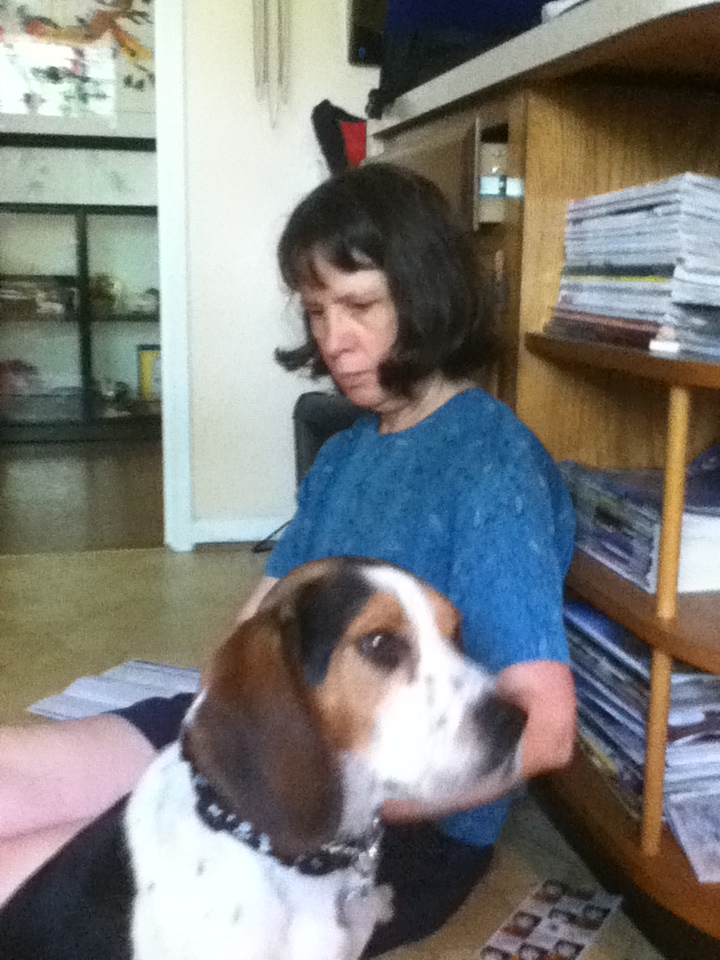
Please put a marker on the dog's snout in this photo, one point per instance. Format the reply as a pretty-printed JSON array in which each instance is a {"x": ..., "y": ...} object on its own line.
[{"x": 500, "y": 724}]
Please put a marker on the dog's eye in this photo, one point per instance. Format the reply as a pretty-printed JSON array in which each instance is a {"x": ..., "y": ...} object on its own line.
[{"x": 384, "y": 650}]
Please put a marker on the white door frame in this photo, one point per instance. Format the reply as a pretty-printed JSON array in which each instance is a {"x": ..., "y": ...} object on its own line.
[{"x": 170, "y": 42}]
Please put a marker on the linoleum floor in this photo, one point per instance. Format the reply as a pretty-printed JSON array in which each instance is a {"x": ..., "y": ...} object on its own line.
[{"x": 80, "y": 496}]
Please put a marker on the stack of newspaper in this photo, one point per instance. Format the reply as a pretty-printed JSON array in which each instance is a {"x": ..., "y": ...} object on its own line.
[
  {"x": 619, "y": 514},
  {"x": 612, "y": 676},
  {"x": 642, "y": 268}
]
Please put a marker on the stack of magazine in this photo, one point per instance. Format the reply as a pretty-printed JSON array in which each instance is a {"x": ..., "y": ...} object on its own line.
[
  {"x": 619, "y": 515},
  {"x": 642, "y": 268},
  {"x": 612, "y": 677}
]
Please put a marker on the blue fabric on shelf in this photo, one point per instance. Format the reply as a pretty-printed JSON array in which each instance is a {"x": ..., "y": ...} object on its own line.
[{"x": 491, "y": 18}]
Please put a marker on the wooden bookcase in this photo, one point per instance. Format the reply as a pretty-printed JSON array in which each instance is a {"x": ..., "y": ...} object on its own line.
[{"x": 568, "y": 137}]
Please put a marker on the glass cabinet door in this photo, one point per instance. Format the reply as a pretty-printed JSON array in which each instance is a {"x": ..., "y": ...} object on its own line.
[
  {"x": 123, "y": 281},
  {"x": 41, "y": 378}
]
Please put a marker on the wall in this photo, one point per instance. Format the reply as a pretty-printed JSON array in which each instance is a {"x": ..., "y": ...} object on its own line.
[{"x": 242, "y": 177}]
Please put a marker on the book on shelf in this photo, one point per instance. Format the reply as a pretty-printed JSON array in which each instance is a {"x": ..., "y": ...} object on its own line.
[
  {"x": 612, "y": 673},
  {"x": 619, "y": 520},
  {"x": 611, "y": 668},
  {"x": 570, "y": 324},
  {"x": 629, "y": 797},
  {"x": 648, "y": 254},
  {"x": 695, "y": 821}
]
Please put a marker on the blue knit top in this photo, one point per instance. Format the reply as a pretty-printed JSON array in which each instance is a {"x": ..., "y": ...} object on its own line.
[{"x": 471, "y": 502}]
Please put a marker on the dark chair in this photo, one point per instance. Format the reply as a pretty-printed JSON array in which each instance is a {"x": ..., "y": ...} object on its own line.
[{"x": 317, "y": 416}]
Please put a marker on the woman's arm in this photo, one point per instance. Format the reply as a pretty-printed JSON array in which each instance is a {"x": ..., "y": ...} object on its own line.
[
  {"x": 256, "y": 598},
  {"x": 544, "y": 689}
]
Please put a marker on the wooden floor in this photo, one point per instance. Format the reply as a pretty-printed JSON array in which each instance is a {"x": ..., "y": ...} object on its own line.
[{"x": 60, "y": 497}]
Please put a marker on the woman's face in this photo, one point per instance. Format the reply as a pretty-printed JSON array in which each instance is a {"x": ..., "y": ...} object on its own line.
[{"x": 354, "y": 323}]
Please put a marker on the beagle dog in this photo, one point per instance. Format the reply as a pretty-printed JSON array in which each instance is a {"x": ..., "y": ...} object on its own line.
[{"x": 257, "y": 834}]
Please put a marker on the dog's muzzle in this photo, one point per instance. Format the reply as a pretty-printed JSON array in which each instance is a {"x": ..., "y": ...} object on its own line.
[{"x": 501, "y": 725}]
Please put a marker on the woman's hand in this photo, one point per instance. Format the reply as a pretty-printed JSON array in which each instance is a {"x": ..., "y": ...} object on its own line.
[{"x": 544, "y": 689}]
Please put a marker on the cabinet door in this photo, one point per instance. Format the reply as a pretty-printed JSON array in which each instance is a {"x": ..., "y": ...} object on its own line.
[
  {"x": 455, "y": 151},
  {"x": 444, "y": 152}
]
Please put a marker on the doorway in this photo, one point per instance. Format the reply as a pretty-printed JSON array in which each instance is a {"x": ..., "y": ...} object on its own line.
[{"x": 80, "y": 384}]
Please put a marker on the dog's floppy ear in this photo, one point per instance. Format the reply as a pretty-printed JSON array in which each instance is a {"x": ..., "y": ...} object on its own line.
[
  {"x": 256, "y": 736},
  {"x": 314, "y": 607}
]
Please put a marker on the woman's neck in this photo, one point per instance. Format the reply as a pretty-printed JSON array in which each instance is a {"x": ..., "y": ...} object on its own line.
[{"x": 428, "y": 398}]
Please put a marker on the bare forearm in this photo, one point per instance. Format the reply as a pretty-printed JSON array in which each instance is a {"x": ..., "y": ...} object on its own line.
[
  {"x": 544, "y": 691},
  {"x": 256, "y": 598}
]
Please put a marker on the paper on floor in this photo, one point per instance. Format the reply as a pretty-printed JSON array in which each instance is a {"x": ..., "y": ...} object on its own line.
[
  {"x": 118, "y": 687},
  {"x": 554, "y": 922}
]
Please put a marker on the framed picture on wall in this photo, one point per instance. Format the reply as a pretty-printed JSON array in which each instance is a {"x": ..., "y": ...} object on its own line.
[
  {"x": 77, "y": 67},
  {"x": 149, "y": 380}
]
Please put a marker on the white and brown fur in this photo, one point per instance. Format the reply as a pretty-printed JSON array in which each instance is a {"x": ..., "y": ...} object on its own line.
[{"x": 346, "y": 689}]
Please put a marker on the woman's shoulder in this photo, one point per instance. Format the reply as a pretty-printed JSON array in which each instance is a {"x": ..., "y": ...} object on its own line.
[
  {"x": 485, "y": 432},
  {"x": 499, "y": 457}
]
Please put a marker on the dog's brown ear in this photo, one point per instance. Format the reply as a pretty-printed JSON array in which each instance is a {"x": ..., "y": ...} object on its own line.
[
  {"x": 314, "y": 607},
  {"x": 256, "y": 738}
]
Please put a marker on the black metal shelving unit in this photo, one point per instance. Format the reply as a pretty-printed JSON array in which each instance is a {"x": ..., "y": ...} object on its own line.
[{"x": 88, "y": 416}]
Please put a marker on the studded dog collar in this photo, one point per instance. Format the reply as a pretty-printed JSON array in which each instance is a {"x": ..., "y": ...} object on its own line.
[{"x": 361, "y": 853}]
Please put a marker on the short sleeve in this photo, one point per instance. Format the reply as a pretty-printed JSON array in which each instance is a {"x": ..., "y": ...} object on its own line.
[{"x": 513, "y": 541}]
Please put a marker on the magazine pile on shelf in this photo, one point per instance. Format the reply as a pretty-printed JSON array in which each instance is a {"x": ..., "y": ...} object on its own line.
[
  {"x": 642, "y": 268},
  {"x": 612, "y": 676},
  {"x": 619, "y": 512}
]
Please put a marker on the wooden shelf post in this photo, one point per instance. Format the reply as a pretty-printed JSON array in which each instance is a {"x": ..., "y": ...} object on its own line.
[
  {"x": 667, "y": 593},
  {"x": 673, "y": 501},
  {"x": 656, "y": 736}
]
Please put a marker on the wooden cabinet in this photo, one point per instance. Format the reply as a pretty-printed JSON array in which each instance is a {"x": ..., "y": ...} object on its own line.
[
  {"x": 677, "y": 628},
  {"x": 450, "y": 152},
  {"x": 606, "y": 407}
]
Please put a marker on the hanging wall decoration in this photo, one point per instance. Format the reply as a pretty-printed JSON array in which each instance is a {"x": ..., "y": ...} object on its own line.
[
  {"x": 77, "y": 67},
  {"x": 271, "y": 42}
]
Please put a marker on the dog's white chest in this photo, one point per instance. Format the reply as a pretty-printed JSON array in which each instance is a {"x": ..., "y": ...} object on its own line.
[{"x": 202, "y": 894}]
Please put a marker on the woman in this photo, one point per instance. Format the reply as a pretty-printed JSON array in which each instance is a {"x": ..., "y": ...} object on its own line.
[{"x": 439, "y": 478}]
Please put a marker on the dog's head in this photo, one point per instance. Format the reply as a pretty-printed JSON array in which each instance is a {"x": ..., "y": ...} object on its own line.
[{"x": 346, "y": 659}]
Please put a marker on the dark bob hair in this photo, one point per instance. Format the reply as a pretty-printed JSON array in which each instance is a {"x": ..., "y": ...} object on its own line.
[{"x": 382, "y": 216}]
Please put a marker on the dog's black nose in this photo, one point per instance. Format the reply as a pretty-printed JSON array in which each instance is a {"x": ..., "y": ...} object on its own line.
[{"x": 500, "y": 725}]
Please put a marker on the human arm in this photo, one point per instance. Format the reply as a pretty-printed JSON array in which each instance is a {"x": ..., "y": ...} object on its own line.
[
  {"x": 256, "y": 597},
  {"x": 510, "y": 549},
  {"x": 544, "y": 690}
]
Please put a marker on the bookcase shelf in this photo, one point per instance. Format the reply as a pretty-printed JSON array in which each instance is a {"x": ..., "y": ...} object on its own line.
[
  {"x": 634, "y": 363},
  {"x": 581, "y": 794},
  {"x": 693, "y": 636}
]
